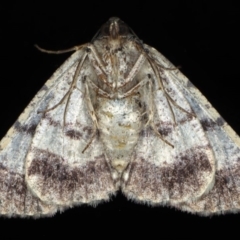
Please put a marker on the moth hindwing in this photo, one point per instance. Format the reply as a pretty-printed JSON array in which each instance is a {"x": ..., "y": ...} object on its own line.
[{"x": 117, "y": 115}]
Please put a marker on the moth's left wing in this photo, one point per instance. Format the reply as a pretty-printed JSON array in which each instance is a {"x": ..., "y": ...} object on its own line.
[
  {"x": 66, "y": 163},
  {"x": 42, "y": 167},
  {"x": 15, "y": 197}
]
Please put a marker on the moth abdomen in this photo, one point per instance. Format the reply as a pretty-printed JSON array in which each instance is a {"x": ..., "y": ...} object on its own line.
[{"x": 119, "y": 123}]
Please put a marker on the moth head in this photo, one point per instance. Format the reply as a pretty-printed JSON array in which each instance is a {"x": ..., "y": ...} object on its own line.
[{"x": 114, "y": 28}]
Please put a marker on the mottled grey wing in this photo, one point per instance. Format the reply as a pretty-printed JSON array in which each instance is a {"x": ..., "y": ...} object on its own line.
[
  {"x": 224, "y": 196},
  {"x": 185, "y": 177},
  {"x": 16, "y": 198},
  {"x": 162, "y": 174},
  {"x": 57, "y": 170}
]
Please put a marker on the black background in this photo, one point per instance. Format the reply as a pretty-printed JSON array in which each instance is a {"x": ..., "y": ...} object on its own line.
[{"x": 200, "y": 36}]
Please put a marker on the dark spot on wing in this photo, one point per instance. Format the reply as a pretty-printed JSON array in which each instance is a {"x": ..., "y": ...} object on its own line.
[
  {"x": 169, "y": 89},
  {"x": 146, "y": 131},
  {"x": 88, "y": 130},
  {"x": 145, "y": 118},
  {"x": 209, "y": 124},
  {"x": 185, "y": 118},
  {"x": 84, "y": 79},
  {"x": 73, "y": 134},
  {"x": 51, "y": 121},
  {"x": 25, "y": 128},
  {"x": 220, "y": 121},
  {"x": 2, "y": 167},
  {"x": 164, "y": 131},
  {"x": 165, "y": 128},
  {"x": 143, "y": 132}
]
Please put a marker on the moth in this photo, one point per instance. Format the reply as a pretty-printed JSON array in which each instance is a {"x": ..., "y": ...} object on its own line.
[{"x": 118, "y": 116}]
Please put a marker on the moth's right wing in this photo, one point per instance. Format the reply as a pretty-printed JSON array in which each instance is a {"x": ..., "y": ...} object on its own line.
[
  {"x": 179, "y": 165},
  {"x": 214, "y": 144},
  {"x": 224, "y": 196}
]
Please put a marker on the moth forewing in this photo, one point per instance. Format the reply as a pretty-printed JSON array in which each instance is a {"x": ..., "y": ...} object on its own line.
[{"x": 117, "y": 115}]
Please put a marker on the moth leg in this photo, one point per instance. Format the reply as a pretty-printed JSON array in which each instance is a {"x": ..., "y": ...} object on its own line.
[
  {"x": 89, "y": 48},
  {"x": 135, "y": 69},
  {"x": 154, "y": 68},
  {"x": 151, "y": 114},
  {"x": 97, "y": 64},
  {"x": 176, "y": 105},
  {"x": 73, "y": 85},
  {"x": 149, "y": 111},
  {"x": 134, "y": 89},
  {"x": 169, "y": 99},
  {"x": 59, "y": 103},
  {"x": 160, "y": 136},
  {"x": 93, "y": 116},
  {"x": 99, "y": 91},
  {"x": 68, "y": 93}
]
